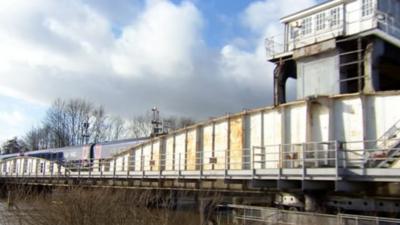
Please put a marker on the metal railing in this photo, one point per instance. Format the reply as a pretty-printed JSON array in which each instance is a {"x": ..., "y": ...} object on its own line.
[
  {"x": 276, "y": 45},
  {"x": 243, "y": 214},
  {"x": 257, "y": 160}
]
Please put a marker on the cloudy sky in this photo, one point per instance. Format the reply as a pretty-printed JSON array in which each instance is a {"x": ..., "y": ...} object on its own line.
[{"x": 196, "y": 58}]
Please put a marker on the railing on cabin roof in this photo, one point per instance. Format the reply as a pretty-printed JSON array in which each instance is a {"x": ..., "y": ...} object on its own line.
[{"x": 278, "y": 45}]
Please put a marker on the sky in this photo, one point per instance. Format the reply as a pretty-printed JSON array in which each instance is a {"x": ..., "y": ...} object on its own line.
[{"x": 193, "y": 58}]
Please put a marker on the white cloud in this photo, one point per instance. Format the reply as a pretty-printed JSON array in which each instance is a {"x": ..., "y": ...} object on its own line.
[
  {"x": 12, "y": 124},
  {"x": 261, "y": 15},
  {"x": 160, "y": 42},
  {"x": 261, "y": 18},
  {"x": 69, "y": 48},
  {"x": 13, "y": 118}
]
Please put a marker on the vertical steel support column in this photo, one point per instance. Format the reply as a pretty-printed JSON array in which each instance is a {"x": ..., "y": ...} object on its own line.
[
  {"x": 252, "y": 168},
  {"x": 185, "y": 154},
  {"x": 263, "y": 156},
  {"x": 151, "y": 156},
  {"x": 281, "y": 161},
  {"x": 128, "y": 166},
  {"x": 114, "y": 167},
  {"x": 213, "y": 145},
  {"x": 303, "y": 166},
  {"x": 179, "y": 165},
  {"x": 228, "y": 148},
  {"x": 79, "y": 170},
  {"x": 101, "y": 167},
  {"x": 337, "y": 159},
  {"x": 142, "y": 161},
  {"x": 173, "y": 152}
]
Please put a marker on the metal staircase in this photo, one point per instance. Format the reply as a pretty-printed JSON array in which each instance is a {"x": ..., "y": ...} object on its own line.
[{"x": 388, "y": 146}]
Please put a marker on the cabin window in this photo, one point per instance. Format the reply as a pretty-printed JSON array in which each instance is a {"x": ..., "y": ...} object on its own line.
[
  {"x": 293, "y": 32},
  {"x": 335, "y": 17},
  {"x": 320, "y": 21},
  {"x": 366, "y": 7},
  {"x": 307, "y": 26}
]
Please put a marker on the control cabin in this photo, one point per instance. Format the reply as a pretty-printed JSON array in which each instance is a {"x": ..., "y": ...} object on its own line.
[{"x": 338, "y": 47}]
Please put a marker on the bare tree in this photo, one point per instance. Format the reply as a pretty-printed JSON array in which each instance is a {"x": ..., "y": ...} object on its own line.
[
  {"x": 13, "y": 145},
  {"x": 56, "y": 120},
  {"x": 78, "y": 112},
  {"x": 64, "y": 125},
  {"x": 65, "y": 119},
  {"x": 99, "y": 125},
  {"x": 140, "y": 126},
  {"x": 117, "y": 128},
  {"x": 175, "y": 122}
]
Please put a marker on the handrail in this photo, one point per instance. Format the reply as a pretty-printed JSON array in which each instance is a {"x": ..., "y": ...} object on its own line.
[
  {"x": 284, "y": 44},
  {"x": 326, "y": 154}
]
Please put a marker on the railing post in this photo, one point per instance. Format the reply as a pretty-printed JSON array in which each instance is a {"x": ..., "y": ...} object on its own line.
[
  {"x": 253, "y": 170},
  {"x": 281, "y": 161},
  {"x": 128, "y": 167},
  {"x": 226, "y": 164},
  {"x": 114, "y": 168},
  {"x": 201, "y": 164},
  {"x": 337, "y": 159},
  {"x": 142, "y": 165},
  {"x": 303, "y": 166},
  {"x": 179, "y": 164},
  {"x": 79, "y": 170},
  {"x": 344, "y": 151},
  {"x": 91, "y": 164}
]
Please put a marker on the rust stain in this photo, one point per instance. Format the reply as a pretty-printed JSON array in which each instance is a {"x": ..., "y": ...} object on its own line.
[
  {"x": 169, "y": 153},
  {"x": 156, "y": 156},
  {"x": 207, "y": 147},
  {"x": 236, "y": 143},
  {"x": 191, "y": 150},
  {"x": 221, "y": 140}
]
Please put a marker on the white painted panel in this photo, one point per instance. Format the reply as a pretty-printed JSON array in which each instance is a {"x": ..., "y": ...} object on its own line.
[
  {"x": 207, "y": 146},
  {"x": 297, "y": 119},
  {"x": 349, "y": 128},
  {"x": 255, "y": 129},
  {"x": 169, "y": 153},
  {"x": 255, "y": 140},
  {"x": 221, "y": 144},
  {"x": 318, "y": 75},
  {"x": 138, "y": 159},
  {"x": 295, "y": 135},
  {"x": 146, "y": 156},
  {"x": 348, "y": 117},
  {"x": 191, "y": 151},
  {"x": 180, "y": 143},
  {"x": 272, "y": 137},
  {"x": 319, "y": 122},
  {"x": 156, "y": 156},
  {"x": 387, "y": 113}
]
